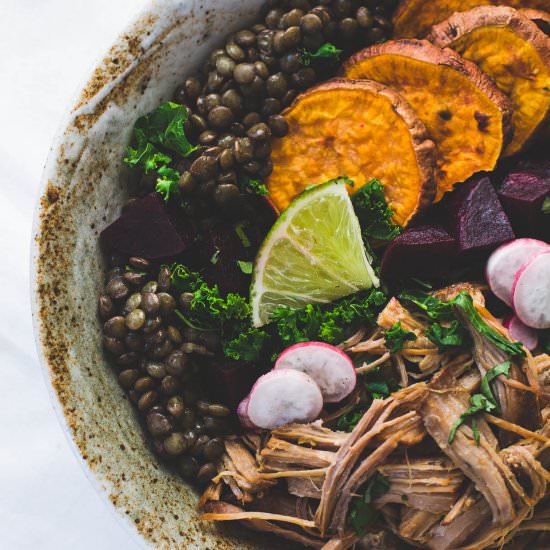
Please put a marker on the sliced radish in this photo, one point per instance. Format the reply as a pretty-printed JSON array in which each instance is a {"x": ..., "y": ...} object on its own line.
[
  {"x": 283, "y": 396},
  {"x": 329, "y": 366},
  {"x": 505, "y": 261},
  {"x": 531, "y": 291},
  {"x": 521, "y": 332},
  {"x": 242, "y": 413}
]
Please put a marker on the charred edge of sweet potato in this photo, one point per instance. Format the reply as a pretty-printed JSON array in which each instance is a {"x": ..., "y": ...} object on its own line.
[
  {"x": 424, "y": 50},
  {"x": 539, "y": 17},
  {"x": 423, "y": 147},
  {"x": 445, "y": 33}
]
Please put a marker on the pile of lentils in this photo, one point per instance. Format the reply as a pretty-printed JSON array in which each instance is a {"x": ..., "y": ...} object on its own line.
[
  {"x": 156, "y": 361},
  {"x": 234, "y": 105},
  {"x": 234, "y": 102}
]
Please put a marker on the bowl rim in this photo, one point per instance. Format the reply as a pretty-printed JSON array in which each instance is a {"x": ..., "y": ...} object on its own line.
[{"x": 130, "y": 28}]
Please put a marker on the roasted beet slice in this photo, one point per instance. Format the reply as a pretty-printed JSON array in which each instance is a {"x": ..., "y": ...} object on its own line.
[
  {"x": 146, "y": 229},
  {"x": 230, "y": 381},
  {"x": 426, "y": 252},
  {"x": 522, "y": 195},
  {"x": 227, "y": 251},
  {"x": 476, "y": 218}
]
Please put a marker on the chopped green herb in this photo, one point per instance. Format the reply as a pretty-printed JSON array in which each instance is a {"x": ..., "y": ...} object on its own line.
[
  {"x": 363, "y": 511},
  {"x": 163, "y": 127},
  {"x": 481, "y": 402},
  {"x": 466, "y": 303},
  {"x": 327, "y": 51},
  {"x": 373, "y": 212},
  {"x": 396, "y": 337},
  {"x": 239, "y": 229},
  {"x": 445, "y": 337},
  {"x": 478, "y": 403},
  {"x": 215, "y": 257},
  {"x": 146, "y": 156},
  {"x": 433, "y": 307},
  {"x": 327, "y": 323},
  {"x": 546, "y": 206},
  {"x": 382, "y": 389},
  {"x": 247, "y": 346},
  {"x": 167, "y": 182},
  {"x": 256, "y": 186},
  {"x": 502, "y": 368},
  {"x": 245, "y": 267},
  {"x": 349, "y": 420},
  {"x": 423, "y": 284},
  {"x": 183, "y": 279}
]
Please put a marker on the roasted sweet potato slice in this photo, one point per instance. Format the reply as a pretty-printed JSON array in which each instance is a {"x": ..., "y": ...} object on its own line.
[
  {"x": 413, "y": 18},
  {"x": 514, "y": 52},
  {"x": 539, "y": 17},
  {"x": 362, "y": 130},
  {"x": 465, "y": 113}
]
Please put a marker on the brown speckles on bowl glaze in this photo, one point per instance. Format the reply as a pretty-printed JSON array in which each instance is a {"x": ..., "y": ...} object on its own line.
[{"x": 83, "y": 191}]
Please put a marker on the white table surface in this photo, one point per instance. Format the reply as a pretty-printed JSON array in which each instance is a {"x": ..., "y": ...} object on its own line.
[{"x": 47, "y": 49}]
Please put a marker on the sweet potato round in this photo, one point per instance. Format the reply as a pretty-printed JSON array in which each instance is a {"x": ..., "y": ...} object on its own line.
[
  {"x": 413, "y": 18},
  {"x": 466, "y": 115},
  {"x": 539, "y": 17},
  {"x": 358, "y": 129},
  {"x": 515, "y": 53}
]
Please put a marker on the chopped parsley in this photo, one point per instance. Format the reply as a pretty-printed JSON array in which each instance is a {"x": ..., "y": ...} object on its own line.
[
  {"x": 161, "y": 128},
  {"x": 328, "y": 322},
  {"x": 327, "y": 52},
  {"x": 239, "y": 230},
  {"x": 256, "y": 186},
  {"x": 481, "y": 402},
  {"x": 396, "y": 337},
  {"x": 230, "y": 315},
  {"x": 245, "y": 267},
  {"x": 349, "y": 420},
  {"x": 382, "y": 389},
  {"x": 363, "y": 511},
  {"x": 373, "y": 212}
]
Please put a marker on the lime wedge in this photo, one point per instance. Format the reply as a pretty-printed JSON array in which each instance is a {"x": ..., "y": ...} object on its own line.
[{"x": 313, "y": 254}]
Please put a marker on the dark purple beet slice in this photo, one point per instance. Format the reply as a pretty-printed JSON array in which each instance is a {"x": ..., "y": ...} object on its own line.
[
  {"x": 522, "y": 195},
  {"x": 230, "y": 381},
  {"x": 146, "y": 230},
  {"x": 220, "y": 249},
  {"x": 223, "y": 246},
  {"x": 426, "y": 252},
  {"x": 476, "y": 218}
]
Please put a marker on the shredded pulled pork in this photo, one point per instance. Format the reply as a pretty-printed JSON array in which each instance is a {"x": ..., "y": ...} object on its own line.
[{"x": 487, "y": 486}]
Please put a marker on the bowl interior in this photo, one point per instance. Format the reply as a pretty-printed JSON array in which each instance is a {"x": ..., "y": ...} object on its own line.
[{"x": 84, "y": 186}]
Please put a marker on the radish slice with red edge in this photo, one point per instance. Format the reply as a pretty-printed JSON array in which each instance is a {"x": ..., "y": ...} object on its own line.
[
  {"x": 531, "y": 291},
  {"x": 504, "y": 263},
  {"x": 330, "y": 367},
  {"x": 521, "y": 332},
  {"x": 283, "y": 396},
  {"x": 242, "y": 413}
]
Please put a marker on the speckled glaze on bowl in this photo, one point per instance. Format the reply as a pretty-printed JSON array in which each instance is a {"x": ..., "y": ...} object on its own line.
[{"x": 83, "y": 189}]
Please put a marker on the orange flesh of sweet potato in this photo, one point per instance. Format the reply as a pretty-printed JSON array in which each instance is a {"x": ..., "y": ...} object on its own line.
[
  {"x": 356, "y": 129},
  {"x": 515, "y": 53},
  {"x": 413, "y": 18},
  {"x": 463, "y": 111}
]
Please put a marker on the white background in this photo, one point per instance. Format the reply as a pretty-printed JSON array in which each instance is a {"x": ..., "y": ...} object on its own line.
[{"x": 47, "y": 49}]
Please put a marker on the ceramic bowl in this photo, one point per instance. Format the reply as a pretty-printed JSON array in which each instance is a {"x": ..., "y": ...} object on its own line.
[{"x": 83, "y": 188}]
